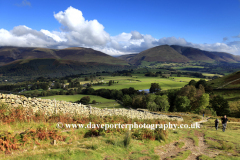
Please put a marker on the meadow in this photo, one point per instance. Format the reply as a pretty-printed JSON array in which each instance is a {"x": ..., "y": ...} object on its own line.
[
  {"x": 101, "y": 102},
  {"x": 140, "y": 82}
]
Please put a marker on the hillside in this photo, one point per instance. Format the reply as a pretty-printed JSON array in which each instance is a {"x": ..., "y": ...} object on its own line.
[
  {"x": 229, "y": 81},
  {"x": 55, "y": 68},
  {"x": 162, "y": 53},
  {"x": 10, "y": 54},
  {"x": 127, "y": 57},
  {"x": 175, "y": 53},
  {"x": 195, "y": 54}
]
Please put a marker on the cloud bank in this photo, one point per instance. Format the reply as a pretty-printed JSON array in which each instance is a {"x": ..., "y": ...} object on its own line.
[{"x": 76, "y": 31}]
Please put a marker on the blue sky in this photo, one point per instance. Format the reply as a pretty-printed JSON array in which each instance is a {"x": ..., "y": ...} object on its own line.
[{"x": 121, "y": 26}]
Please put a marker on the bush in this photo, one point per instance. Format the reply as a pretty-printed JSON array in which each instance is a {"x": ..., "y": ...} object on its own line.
[
  {"x": 85, "y": 100},
  {"x": 94, "y": 102}
]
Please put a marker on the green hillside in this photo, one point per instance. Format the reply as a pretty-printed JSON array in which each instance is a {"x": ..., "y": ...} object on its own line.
[
  {"x": 229, "y": 81},
  {"x": 160, "y": 53},
  {"x": 11, "y": 54},
  {"x": 55, "y": 68}
]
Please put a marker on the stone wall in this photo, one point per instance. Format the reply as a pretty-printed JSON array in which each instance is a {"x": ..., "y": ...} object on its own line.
[{"x": 50, "y": 107}]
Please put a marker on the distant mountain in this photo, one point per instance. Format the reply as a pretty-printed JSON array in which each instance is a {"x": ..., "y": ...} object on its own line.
[
  {"x": 162, "y": 53},
  {"x": 10, "y": 54},
  {"x": 127, "y": 57},
  {"x": 175, "y": 53},
  {"x": 55, "y": 68},
  {"x": 195, "y": 54},
  {"x": 25, "y": 61}
]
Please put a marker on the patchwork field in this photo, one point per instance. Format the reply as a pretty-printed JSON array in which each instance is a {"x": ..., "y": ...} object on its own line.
[{"x": 141, "y": 82}]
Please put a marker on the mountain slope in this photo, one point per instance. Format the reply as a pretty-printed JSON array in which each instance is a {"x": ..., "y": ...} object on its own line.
[
  {"x": 55, "y": 68},
  {"x": 228, "y": 81},
  {"x": 10, "y": 54},
  {"x": 162, "y": 53},
  {"x": 127, "y": 57},
  {"x": 195, "y": 54}
]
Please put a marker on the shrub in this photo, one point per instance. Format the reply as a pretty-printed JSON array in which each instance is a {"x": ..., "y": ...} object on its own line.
[
  {"x": 94, "y": 102},
  {"x": 85, "y": 100}
]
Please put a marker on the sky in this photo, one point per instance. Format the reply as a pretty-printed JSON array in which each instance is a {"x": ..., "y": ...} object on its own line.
[{"x": 118, "y": 27}]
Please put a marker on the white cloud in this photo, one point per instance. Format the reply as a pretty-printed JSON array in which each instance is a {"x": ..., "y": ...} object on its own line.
[
  {"x": 83, "y": 31},
  {"x": 24, "y": 3},
  {"x": 54, "y": 35},
  {"x": 136, "y": 35},
  {"x": 75, "y": 31}
]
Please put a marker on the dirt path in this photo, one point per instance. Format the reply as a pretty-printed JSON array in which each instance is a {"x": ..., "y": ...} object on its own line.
[{"x": 171, "y": 150}]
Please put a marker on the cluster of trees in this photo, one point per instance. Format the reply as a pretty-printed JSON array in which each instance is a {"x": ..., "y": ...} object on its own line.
[
  {"x": 190, "y": 98},
  {"x": 151, "y": 101},
  {"x": 178, "y": 74},
  {"x": 151, "y": 74},
  {"x": 86, "y": 100}
]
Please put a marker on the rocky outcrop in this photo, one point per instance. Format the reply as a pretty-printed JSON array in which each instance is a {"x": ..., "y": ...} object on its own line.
[{"x": 50, "y": 107}]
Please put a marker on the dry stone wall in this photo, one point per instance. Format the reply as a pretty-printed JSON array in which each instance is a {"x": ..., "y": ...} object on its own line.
[{"x": 50, "y": 107}]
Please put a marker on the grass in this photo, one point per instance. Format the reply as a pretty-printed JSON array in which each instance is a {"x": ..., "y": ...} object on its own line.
[
  {"x": 141, "y": 82},
  {"x": 182, "y": 155},
  {"x": 229, "y": 95},
  {"x": 101, "y": 102},
  {"x": 74, "y": 98},
  {"x": 117, "y": 144}
]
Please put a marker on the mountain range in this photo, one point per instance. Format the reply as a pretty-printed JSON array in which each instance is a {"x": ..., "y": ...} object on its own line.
[
  {"x": 33, "y": 61},
  {"x": 175, "y": 53},
  {"x": 26, "y": 61}
]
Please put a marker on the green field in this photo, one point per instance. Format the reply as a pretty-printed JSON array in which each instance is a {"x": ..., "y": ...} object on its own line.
[
  {"x": 101, "y": 102},
  {"x": 141, "y": 82},
  {"x": 74, "y": 98}
]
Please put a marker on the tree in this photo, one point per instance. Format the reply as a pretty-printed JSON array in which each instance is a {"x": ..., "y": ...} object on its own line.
[
  {"x": 220, "y": 105},
  {"x": 203, "y": 102},
  {"x": 154, "y": 88},
  {"x": 150, "y": 98},
  {"x": 162, "y": 102},
  {"x": 89, "y": 91},
  {"x": 127, "y": 100},
  {"x": 139, "y": 101},
  {"x": 182, "y": 103},
  {"x": 45, "y": 86},
  {"x": 152, "y": 106},
  {"x": 85, "y": 100},
  {"x": 192, "y": 82},
  {"x": 202, "y": 82},
  {"x": 110, "y": 82},
  {"x": 172, "y": 94}
]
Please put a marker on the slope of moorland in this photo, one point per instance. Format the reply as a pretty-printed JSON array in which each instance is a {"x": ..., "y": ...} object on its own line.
[
  {"x": 162, "y": 53},
  {"x": 127, "y": 57},
  {"x": 55, "y": 68},
  {"x": 10, "y": 54},
  {"x": 176, "y": 53},
  {"x": 25, "y": 61},
  {"x": 229, "y": 81},
  {"x": 195, "y": 54}
]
